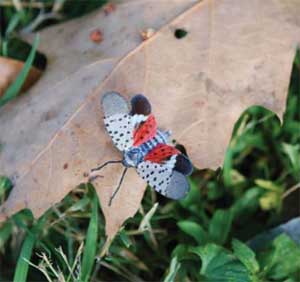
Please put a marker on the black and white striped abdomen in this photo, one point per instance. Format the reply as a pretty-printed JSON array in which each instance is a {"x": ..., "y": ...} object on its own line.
[{"x": 160, "y": 138}]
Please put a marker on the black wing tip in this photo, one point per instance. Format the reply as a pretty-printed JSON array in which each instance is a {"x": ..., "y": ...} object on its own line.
[
  {"x": 139, "y": 96},
  {"x": 183, "y": 165},
  {"x": 140, "y": 105}
]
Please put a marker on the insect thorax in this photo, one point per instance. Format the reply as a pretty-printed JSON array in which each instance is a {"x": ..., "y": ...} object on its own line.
[{"x": 135, "y": 155}]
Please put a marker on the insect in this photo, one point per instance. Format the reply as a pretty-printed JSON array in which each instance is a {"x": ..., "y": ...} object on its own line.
[{"x": 145, "y": 147}]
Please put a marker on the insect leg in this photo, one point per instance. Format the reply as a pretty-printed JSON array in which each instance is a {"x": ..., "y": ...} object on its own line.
[{"x": 118, "y": 188}]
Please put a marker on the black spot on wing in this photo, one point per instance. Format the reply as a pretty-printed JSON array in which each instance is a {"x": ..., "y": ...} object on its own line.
[
  {"x": 183, "y": 165},
  {"x": 140, "y": 105}
]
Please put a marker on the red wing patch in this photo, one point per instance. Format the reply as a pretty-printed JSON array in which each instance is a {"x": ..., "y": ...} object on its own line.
[
  {"x": 145, "y": 132},
  {"x": 160, "y": 153}
]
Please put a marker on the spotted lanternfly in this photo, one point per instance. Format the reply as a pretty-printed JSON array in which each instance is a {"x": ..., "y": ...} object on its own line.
[{"x": 145, "y": 147}]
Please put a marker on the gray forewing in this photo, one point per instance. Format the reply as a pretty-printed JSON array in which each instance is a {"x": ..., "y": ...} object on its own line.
[
  {"x": 114, "y": 103},
  {"x": 178, "y": 186}
]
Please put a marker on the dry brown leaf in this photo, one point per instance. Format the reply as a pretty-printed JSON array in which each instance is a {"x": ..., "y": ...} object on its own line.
[
  {"x": 236, "y": 54},
  {"x": 69, "y": 50},
  {"x": 75, "y": 67},
  {"x": 10, "y": 69}
]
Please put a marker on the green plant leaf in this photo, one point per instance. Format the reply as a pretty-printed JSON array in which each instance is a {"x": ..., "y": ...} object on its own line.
[
  {"x": 247, "y": 204},
  {"x": 195, "y": 230},
  {"x": 91, "y": 242},
  {"x": 21, "y": 270},
  {"x": 181, "y": 251},
  {"x": 220, "y": 226},
  {"x": 13, "y": 90},
  {"x": 174, "y": 267},
  {"x": 245, "y": 255},
  {"x": 293, "y": 152},
  {"x": 270, "y": 200},
  {"x": 282, "y": 259},
  {"x": 219, "y": 265},
  {"x": 124, "y": 238},
  {"x": 269, "y": 185}
]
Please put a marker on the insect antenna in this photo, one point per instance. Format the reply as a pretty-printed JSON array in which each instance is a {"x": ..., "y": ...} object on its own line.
[
  {"x": 105, "y": 164},
  {"x": 118, "y": 188},
  {"x": 93, "y": 177}
]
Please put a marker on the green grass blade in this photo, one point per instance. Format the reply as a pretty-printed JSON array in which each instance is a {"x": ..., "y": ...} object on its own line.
[
  {"x": 5, "y": 232},
  {"x": 13, "y": 23},
  {"x": 4, "y": 48},
  {"x": 21, "y": 270},
  {"x": 14, "y": 89},
  {"x": 227, "y": 167},
  {"x": 5, "y": 186},
  {"x": 90, "y": 248},
  {"x": 174, "y": 267}
]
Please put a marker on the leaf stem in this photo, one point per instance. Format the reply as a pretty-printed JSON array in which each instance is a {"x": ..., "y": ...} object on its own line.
[{"x": 291, "y": 190}]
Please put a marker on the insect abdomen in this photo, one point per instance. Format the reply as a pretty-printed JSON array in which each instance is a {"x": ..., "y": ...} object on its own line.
[{"x": 159, "y": 138}]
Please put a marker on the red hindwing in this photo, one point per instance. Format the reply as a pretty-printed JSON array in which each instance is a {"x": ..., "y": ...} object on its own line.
[
  {"x": 145, "y": 132},
  {"x": 160, "y": 153}
]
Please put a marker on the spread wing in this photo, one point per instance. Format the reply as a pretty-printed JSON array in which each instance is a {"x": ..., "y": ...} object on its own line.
[
  {"x": 164, "y": 179},
  {"x": 163, "y": 152},
  {"x": 119, "y": 122},
  {"x": 121, "y": 127},
  {"x": 164, "y": 168}
]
